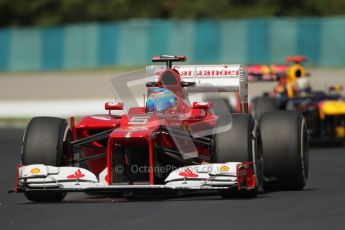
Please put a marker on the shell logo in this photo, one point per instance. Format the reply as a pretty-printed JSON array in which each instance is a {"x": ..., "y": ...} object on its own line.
[
  {"x": 35, "y": 171},
  {"x": 224, "y": 168}
]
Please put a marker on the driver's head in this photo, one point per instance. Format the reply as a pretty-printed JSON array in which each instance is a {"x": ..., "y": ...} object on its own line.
[
  {"x": 161, "y": 100},
  {"x": 302, "y": 85}
]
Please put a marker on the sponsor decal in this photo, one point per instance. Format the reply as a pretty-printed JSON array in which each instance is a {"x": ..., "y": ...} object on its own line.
[
  {"x": 224, "y": 168},
  {"x": 35, "y": 171},
  {"x": 188, "y": 173},
  {"x": 76, "y": 175},
  {"x": 209, "y": 73}
]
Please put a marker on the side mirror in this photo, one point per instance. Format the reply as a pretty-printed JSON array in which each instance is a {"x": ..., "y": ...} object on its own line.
[
  {"x": 113, "y": 106},
  {"x": 202, "y": 105}
]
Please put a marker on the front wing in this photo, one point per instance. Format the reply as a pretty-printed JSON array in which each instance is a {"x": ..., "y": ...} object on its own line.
[{"x": 232, "y": 175}]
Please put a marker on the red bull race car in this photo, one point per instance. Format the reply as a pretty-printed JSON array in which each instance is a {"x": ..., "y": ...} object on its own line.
[
  {"x": 323, "y": 111},
  {"x": 168, "y": 145}
]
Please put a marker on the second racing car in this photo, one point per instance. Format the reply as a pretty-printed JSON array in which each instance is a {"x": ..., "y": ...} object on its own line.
[{"x": 323, "y": 111}]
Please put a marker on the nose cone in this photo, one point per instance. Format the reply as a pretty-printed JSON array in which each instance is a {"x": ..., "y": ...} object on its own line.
[{"x": 136, "y": 129}]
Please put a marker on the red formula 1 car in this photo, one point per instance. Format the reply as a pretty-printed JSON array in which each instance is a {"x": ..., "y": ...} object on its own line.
[{"x": 168, "y": 145}]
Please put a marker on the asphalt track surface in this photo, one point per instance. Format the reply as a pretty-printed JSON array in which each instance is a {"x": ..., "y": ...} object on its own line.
[{"x": 321, "y": 205}]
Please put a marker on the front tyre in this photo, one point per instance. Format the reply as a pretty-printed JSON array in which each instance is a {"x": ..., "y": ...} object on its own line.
[
  {"x": 285, "y": 149},
  {"x": 43, "y": 144},
  {"x": 237, "y": 139},
  {"x": 263, "y": 105}
]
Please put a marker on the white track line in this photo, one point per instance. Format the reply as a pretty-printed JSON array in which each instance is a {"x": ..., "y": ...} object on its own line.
[{"x": 59, "y": 108}]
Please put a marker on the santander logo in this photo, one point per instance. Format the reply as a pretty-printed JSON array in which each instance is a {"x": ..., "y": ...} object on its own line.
[{"x": 209, "y": 72}]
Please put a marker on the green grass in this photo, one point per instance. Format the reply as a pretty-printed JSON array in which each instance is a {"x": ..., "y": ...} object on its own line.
[{"x": 14, "y": 120}]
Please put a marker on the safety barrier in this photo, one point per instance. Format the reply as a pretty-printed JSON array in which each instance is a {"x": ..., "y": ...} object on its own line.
[{"x": 126, "y": 43}]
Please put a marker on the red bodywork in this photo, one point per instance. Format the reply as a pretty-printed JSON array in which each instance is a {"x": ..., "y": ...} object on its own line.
[{"x": 137, "y": 127}]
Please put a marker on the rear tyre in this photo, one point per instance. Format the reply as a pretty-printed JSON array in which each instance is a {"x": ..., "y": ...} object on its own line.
[
  {"x": 220, "y": 105},
  {"x": 43, "y": 144},
  {"x": 262, "y": 105},
  {"x": 285, "y": 149},
  {"x": 239, "y": 143}
]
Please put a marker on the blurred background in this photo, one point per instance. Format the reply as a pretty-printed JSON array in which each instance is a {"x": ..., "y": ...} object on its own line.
[{"x": 57, "y": 56}]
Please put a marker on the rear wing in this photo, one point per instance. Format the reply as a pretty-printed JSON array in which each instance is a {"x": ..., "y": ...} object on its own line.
[
  {"x": 208, "y": 78},
  {"x": 274, "y": 72},
  {"x": 266, "y": 72}
]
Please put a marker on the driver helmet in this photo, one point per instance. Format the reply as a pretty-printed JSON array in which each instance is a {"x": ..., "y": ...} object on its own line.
[
  {"x": 161, "y": 100},
  {"x": 302, "y": 85}
]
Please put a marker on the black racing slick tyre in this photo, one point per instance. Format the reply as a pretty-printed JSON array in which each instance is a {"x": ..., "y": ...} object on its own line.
[
  {"x": 239, "y": 143},
  {"x": 43, "y": 144},
  {"x": 262, "y": 105},
  {"x": 233, "y": 140},
  {"x": 220, "y": 105},
  {"x": 285, "y": 149}
]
